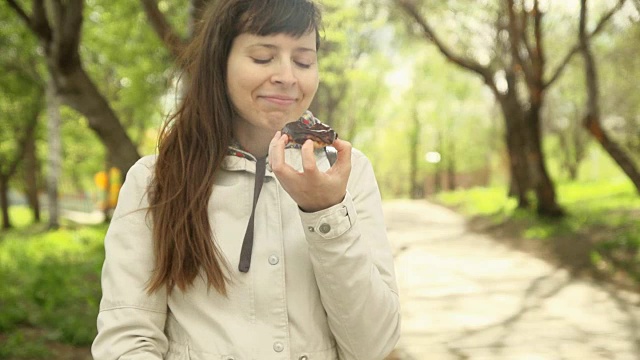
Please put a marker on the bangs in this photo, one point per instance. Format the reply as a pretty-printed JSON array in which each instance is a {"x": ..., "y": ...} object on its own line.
[{"x": 291, "y": 17}]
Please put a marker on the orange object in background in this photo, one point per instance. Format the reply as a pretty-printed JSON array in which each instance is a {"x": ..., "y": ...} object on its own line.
[
  {"x": 111, "y": 182},
  {"x": 101, "y": 180}
]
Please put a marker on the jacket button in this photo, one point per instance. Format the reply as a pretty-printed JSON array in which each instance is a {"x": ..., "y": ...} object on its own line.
[
  {"x": 278, "y": 346},
  {"x": 325, "y": 228},
  {"x": 273, "y": 260},
  {"x": 303, "y": 357},
  {"x": 229, "y": 358}
]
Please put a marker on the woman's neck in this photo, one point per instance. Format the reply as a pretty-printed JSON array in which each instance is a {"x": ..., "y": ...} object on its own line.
[{"x": 254, "y": 141}]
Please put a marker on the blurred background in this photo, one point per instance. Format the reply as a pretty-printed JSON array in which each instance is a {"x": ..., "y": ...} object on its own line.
[{"x": 523, "y": 116}]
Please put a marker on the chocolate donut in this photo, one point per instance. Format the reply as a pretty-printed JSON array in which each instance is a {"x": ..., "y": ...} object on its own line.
[{"x": 322, "y": 135}]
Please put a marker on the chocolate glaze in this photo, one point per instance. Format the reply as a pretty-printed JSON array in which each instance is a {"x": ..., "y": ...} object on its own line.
[{"x": 322, "y": 135}]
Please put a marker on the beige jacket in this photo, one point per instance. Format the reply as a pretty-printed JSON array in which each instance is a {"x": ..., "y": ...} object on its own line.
[{"x": 321, "y": 285}]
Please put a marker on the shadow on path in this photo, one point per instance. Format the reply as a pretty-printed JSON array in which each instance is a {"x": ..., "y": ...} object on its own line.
[{"x": 466, "y": 296}]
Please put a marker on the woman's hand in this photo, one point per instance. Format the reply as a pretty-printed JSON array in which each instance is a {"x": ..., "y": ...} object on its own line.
[{"x": 311, "y": 189}]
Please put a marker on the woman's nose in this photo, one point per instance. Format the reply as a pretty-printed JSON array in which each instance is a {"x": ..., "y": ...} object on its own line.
[{"x": 283, "y": 74}]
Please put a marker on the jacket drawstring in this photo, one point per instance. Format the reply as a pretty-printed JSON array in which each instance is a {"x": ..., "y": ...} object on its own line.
[{"x": 247, "y": 243}]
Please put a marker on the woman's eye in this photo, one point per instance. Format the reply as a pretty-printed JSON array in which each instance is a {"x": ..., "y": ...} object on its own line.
[
  {"x": 261, "y": 61},
  {"x": 303, "y": 65}
]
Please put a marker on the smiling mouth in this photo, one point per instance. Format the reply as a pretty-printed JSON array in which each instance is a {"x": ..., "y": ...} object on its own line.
[{"x": 279, "y": 100}]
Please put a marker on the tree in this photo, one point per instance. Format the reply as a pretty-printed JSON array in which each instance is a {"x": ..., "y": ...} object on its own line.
[
  {"x": 31, "y": 174},
  {"x": 58, "y": 26},
  {"x": 415, "y": 186},
  {"x": 21, "y": 102},
  {"x": 54, "y": 157},
  {"x": 516, "y": 75},
  {"x": 172, "y": 39},
  {"x": 592, "y": 118},
  {"x": 349, "y": 28},
  {"x": 565, "y": 124},
  {"x": 15, "y": 135}
]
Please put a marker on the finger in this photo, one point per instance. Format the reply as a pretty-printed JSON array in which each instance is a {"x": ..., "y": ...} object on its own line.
[
  {"x": 343, "y": 163},
  {"x": 275, "y": 138},
  {"x": 308, "y": 158},
  {"x": 276, "y": 151}
]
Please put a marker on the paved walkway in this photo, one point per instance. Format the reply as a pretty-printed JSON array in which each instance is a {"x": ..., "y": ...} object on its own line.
[{"x": 465, "y": 296}]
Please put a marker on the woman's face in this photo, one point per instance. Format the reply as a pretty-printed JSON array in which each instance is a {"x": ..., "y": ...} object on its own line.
[{"x": 271, "y": 80}]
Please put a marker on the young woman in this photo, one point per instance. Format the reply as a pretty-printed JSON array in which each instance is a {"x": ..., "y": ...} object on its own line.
[{"x": 233, "y": 243}]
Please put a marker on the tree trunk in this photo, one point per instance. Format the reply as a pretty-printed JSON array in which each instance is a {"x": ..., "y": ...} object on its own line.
[
  {"x": 54, "y": 155},
  {"x": 543, "y": 186},
  {"x": 4, "y": 203},
  {"x": 76, "y": 90},
  {"x": 437, "y": 178},
  {"x": 31, "y": 175},
  {"x": 414, "y": 140},
  {"x": 451, "y": 166},
  {"x": 516, "y": 144},
  {"x": 525, "y": 48},
  {"x": 592, "y": 119},
  {"x": 58, "y": 25},
  {"x": 614, "y": 150}
]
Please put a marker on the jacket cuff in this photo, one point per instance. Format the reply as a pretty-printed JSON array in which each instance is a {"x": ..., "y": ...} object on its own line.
[{"x": 330, "y": 223}]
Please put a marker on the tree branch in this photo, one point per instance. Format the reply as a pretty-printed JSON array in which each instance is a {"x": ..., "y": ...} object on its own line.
[
  {"x": 593, "y": 108},
  {"x": 65, "y": 18},
  {"x": 37, "y": 22},
  {"x": 428, "y": 32},
  {"x": 601, "y": 24},
  {"x": 539, "y": 58},
  {"x": 516, "y": 32},
  {"x": 55, "y": 10},
  {"x": 71, "y": 30},
  {"x": 21, "y": 13},
  {"x": 40, "y": 24},
  {"x": 163, "y": 29},
  {"x": 525, "y": 27}
]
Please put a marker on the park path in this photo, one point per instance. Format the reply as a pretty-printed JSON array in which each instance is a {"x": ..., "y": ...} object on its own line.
[{"x": 466, "y": 296}]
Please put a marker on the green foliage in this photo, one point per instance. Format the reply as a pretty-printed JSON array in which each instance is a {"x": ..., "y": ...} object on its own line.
[
  {"x": 129, "y": 64},
  {"x": 349, "y": 29},
  {"x": 51, "y": 280},
  {"x": 21, "y": 90},
  {"x": 18, "y": 346},
  {"x": 480, "y": 201},
  {"x": 82, "y": 159},
  {"x": 453, "y": 116},
  {"x": 617, "y": 62}
]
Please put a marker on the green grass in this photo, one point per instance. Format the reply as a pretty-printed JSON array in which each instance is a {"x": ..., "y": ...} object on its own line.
[
  {"x": 605, "y": 212},
  {"x": 50, "y": 281}
]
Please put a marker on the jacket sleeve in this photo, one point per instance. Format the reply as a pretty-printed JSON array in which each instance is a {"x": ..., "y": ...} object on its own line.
[
  {"x": 130, "y": 322},
  {"x": 353, "y": 264}
]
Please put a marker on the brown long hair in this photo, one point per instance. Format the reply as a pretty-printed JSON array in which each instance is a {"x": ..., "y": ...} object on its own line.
[{"x": 194, "y": 140}]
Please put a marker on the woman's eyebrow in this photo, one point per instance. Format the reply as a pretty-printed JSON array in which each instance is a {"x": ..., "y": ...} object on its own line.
[{"x": 275, "y": 47}]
